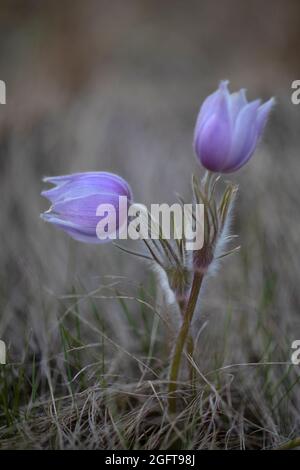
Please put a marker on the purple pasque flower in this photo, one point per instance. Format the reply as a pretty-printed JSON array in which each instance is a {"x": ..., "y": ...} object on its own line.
[
  {"x": 76, "y": 200},
  {"x": 228, "y": 129}
]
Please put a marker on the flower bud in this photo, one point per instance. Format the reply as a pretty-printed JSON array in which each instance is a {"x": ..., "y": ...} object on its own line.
[
  {"x": 76, "y": 200},
  {"x": 228, "y": 129}
]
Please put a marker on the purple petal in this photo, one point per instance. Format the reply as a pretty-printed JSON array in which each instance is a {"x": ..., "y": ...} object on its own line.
[
  {"x": 238, "y": 101},
  {"x": 256, "y": 131},
  {"x": 82, "y": 210},
  {"x": 263, "y": 114},
  {"x": 76, "y": 200},
  {"x": 209, "y": 107},
  {"x": 84, "y": 184},
  {"x": 75, "y": 231},
  {"x": 214, "y": 141},
  {"x": 58, "y": 180},
  {"x": 244, "y": 137},
  {"x": 205, "y": 111}
]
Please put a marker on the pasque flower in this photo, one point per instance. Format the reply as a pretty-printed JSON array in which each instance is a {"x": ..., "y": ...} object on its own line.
[
  {"x": 76, "y": 198},
  {"x": 228, "y": 129}
]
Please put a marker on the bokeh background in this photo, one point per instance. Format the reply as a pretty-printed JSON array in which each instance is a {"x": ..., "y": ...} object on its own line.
[{"x": 116, "y": 85}]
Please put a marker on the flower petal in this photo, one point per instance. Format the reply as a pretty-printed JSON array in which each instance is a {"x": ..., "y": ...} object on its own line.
[
  {"x": 244, "y": 137},
  {"x": 238, "y": 101},
  {"x": 72, "y": 229},
  {"x": 209, "y": 107},
  {"x": 263, "y": 114},
  {"x": 81, "y": 185},
  {"x": 214, "y": 141}
]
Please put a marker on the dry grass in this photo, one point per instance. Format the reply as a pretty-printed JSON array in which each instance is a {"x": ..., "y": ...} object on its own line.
[{"x": 96, "y": 393}]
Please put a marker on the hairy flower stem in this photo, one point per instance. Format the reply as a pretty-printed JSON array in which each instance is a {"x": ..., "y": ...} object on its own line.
[
  {"x": 181, "y": 339},
  {"x": 190, "y": 341}
]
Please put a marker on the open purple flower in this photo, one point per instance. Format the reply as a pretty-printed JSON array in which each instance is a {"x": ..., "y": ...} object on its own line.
[
  {"x": 76, "y": 200},
  {"x": 228, "y": 129}
]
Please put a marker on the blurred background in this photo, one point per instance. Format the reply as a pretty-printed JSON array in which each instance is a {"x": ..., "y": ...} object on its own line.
[{"x": 116, "y": 85}]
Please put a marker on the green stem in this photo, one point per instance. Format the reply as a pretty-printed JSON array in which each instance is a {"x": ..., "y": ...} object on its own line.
[
  {"x": 190, "y": 341},
  {"x": 181, "y": 339}
]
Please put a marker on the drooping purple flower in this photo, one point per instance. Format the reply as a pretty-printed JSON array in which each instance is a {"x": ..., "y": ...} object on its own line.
[
  {"x": 228, "y": 129},
  {"x": 76, "y": 199}
]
